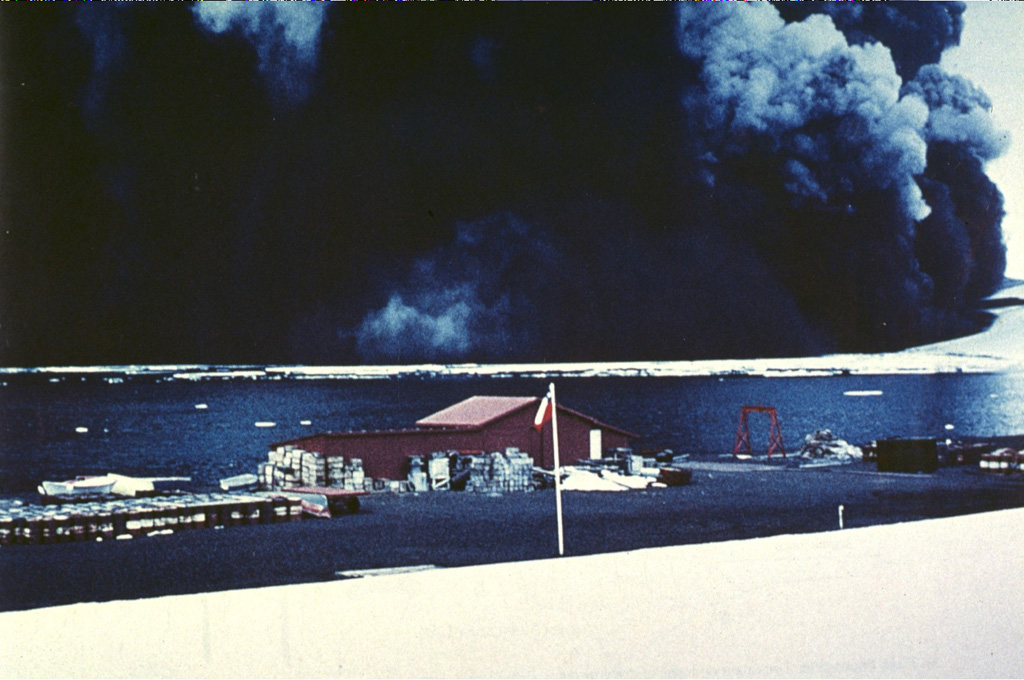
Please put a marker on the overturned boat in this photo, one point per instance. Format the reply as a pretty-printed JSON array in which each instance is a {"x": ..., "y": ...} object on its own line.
[
  {"x": 114, "y": 484},
  {"x": 78, "y": 486}
]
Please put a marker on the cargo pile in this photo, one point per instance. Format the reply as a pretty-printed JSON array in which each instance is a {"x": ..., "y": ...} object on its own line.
[
  {"x": 288, "y": 466},
  {"x": 823, "y": 445},
  {"x": 501, "y": 472},
  {"x": 1003, "y": 460},
  {"x": 439, "y": 471},
  {"x": 22, "y": 523}
]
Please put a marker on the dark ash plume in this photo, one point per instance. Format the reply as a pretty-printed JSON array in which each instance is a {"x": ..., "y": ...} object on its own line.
[
  {"x": 698, "y": 180},
  {"x": 104, "y": 32},
  {"x": 812, "y": 193}
]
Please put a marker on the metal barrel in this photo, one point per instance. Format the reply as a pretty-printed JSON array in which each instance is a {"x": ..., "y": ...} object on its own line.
[
  {"x": 242, "y": 512},
  {"x": 147, "y": 520},
  {"x": 104, "y": 524},
  {"x": 133, "y": 521},
  {"x": 212, "y": 516},
  {"x": 77, "y": 525},
  {"x": 171, "y": 518},
  {"x": 6, "y": 529},
  {"x": 61, "y": 528},
  {"x": 90, "y": 526},
  {"x": 119, "y": 520},
  {"x": 294, "y": 509},
  {"x": 46, "y": 529},
  {"x": 280, "y": 508},
  {"x": 184, "y": 516},
  {"x": 17, "y": 529},
  {"x": 255, "y": 509},
  {"x": 235, "y": 514},
  {"x": 30, "y": 529},
  {"x": 159, "y": 516}
]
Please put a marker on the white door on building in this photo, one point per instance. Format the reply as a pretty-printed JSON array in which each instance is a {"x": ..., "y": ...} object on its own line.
[{"x": 595, "y": 444}]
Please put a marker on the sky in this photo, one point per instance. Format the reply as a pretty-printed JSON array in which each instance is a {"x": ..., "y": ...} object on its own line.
[
  {"x": 325, "y": 183},
  {"x": 993, "y": 33}
]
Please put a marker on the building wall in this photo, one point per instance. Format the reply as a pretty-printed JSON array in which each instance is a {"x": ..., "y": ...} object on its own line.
[{"x": 385, "y": 454}]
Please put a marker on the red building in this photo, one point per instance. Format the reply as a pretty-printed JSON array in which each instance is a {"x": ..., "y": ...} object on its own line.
[{"x": 477, "y": 424}]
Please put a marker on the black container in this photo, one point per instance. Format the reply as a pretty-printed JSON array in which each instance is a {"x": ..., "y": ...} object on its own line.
[{"x": 908, "y": 455}]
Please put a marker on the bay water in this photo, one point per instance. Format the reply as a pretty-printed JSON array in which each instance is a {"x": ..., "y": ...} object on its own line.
[{"x": 56, "y": 426}]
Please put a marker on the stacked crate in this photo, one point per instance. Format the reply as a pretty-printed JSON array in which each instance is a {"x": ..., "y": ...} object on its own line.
[
  {"x": 288, "y": 466},
  {"x": 314, "y": 469},
  {"x": 336, "y": 471},
  {"x": 520, "y": 470},
  {"x": 346, "y": 475},
  {"x": 282, "y": 469},
  {"x": 499, "y": 472}
]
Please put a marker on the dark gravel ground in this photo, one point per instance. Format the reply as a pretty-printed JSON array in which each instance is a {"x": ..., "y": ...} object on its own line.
[{"x": 449, "y": 529}]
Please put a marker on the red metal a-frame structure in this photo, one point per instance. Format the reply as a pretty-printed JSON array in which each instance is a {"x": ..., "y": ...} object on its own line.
[{"x": 743, "y": 432}]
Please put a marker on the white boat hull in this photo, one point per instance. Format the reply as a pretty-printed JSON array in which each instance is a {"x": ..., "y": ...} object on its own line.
[{"x": 74, "y": 487}]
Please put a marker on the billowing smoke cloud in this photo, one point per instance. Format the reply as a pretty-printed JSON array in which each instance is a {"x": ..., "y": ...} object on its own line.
[
  {"x": 819, "y": 163},
  {"x": 468, "y": 299},
  {"x": 438, "y": 324},
  {"x": 915, "y": 32},
  {"x": 958, "y": 113},
  {"x": 285, "y": 35},
  {"x": 699, "y": 180},
  {"x": 831, "y": 112}
]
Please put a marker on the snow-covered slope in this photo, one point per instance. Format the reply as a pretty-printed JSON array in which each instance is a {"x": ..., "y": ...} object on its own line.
[
  {"x": 1003, "y": 340},
  {"x": 904, "y": 600}
]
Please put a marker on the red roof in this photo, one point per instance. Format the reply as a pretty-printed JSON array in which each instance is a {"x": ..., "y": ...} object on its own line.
[{"x": 476, "y": 411}]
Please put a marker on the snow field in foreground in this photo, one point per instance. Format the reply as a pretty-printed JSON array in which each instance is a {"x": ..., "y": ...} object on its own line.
[{"x": 934, "y": 598}]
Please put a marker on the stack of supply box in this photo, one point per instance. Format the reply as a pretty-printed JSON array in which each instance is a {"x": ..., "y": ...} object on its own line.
[
  {"x": 288, "y": 466},
  {"x": 501, "y": 472}
]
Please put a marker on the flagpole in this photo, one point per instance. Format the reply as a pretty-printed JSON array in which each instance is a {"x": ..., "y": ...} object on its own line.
[{"x": 558, "y": 471}]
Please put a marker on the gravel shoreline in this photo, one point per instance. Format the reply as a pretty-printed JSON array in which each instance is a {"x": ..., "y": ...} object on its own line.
[{"x": 456, "y": 529}]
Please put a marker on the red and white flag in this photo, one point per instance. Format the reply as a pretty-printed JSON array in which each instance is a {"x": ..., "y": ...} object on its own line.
[{"x": 547, "y": 404}]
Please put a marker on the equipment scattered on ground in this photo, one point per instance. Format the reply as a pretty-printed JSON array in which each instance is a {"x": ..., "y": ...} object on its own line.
[
  {"x": 1004, "y": 460},
  {"x": 823, "y": 445}
]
